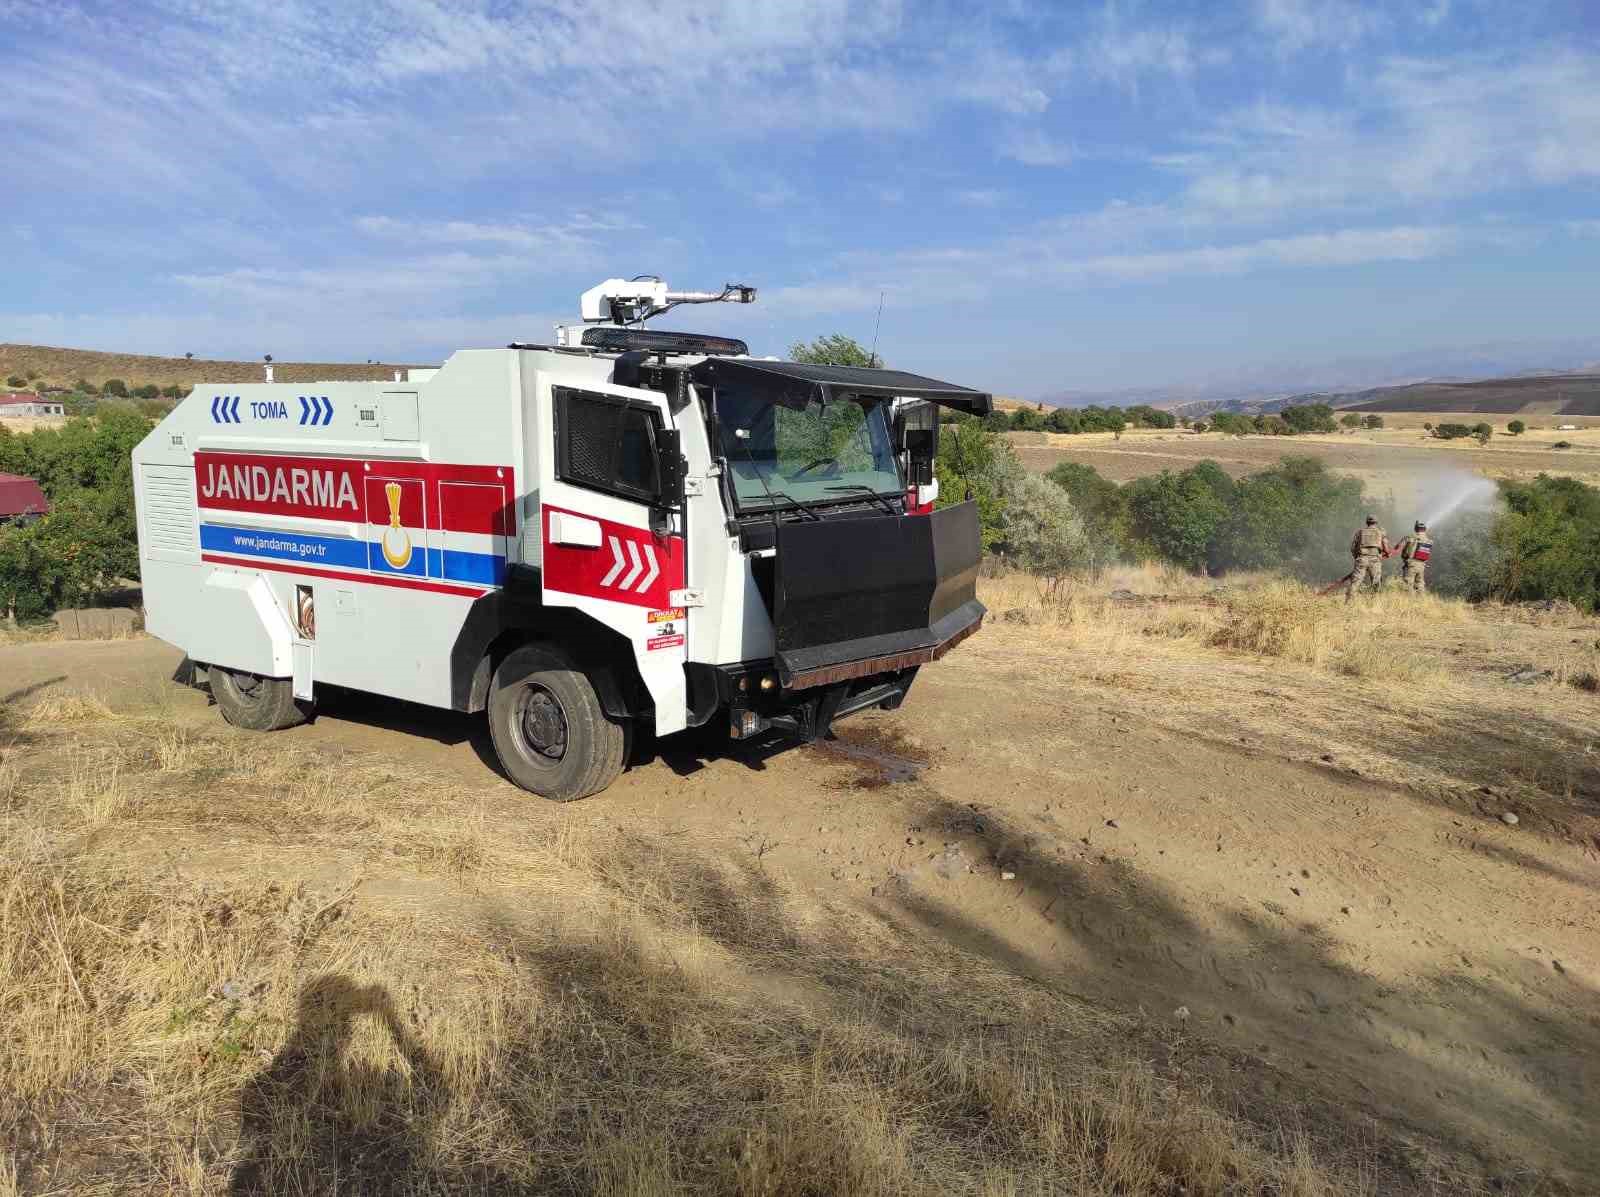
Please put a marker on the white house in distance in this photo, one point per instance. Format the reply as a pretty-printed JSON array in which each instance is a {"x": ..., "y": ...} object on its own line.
[{"x": 16, "y": 404}]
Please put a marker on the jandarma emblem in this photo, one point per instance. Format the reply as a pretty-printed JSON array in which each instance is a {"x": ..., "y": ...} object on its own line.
[{"x": 394, "y": 534}]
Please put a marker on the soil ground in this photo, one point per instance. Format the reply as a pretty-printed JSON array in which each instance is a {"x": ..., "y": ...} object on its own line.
[{"x": 1299, "y": 869}]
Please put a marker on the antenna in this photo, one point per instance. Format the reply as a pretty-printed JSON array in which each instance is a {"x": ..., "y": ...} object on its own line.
[{"x": 872, "y": 358}]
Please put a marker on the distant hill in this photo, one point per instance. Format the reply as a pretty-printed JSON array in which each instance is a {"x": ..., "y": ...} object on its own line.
[
  {"x": 63, "y": 367},
  {"x": 1545, "y": 394}
]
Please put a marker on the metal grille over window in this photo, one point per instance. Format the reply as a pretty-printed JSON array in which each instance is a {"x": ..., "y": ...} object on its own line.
[{"x": 607, "y": 443}]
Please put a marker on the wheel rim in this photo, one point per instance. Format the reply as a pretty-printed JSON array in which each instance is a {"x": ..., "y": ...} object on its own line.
[
  {"x": 247, "y": 686},
  {"x": 541, "y": 724}
]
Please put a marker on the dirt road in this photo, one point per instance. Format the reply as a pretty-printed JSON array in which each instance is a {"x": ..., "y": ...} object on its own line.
[{"x": 1324, "y": 939}]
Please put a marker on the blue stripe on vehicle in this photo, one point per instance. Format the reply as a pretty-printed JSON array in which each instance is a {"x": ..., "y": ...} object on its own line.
[
  {"x": 489, "y": 569},
  {"x": 284, "y": 546},
  {"x": 416, "y": 565}
]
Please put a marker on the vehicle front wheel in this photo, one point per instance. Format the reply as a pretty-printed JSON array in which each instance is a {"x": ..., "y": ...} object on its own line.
[
  {"x": 256, "y": 703},
  {"x": 549, "y": 730}
]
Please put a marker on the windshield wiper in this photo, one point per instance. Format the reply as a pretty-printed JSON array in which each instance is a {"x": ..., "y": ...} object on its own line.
[
  {"x": 770, "y": 495},
  {"x": 862, "y": 488}
]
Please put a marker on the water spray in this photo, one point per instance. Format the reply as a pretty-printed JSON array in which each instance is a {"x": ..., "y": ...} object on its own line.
[{"x": 1470, "y": 492}]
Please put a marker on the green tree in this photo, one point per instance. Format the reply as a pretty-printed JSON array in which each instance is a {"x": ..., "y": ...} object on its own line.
[
  {"x": 975, "y": 461},
  {"x": 1516, "y": 428},
  {"x": 1175, "y": 516},
  {"x": 1100, "y": 503},
  {"x": 997, "y": 421},
  {"x": 116, "y": 387},
  {"x": 1309, "y": 417},
  {"x": 1350, "y": 420},
  {"x": 834, "y": 350},
  {"x": 1063, "y": 419},
  {"x": 1482, "y": 431},
  {"x": 1026, "y": 419},
  {"x": 1451, "y": 432},
  {"x": 1372, "y": 423}
]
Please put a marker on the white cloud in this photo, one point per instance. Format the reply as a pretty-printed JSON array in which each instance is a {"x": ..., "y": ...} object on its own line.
[
  {"x": 1031, "y": 147},
  {"x": 1420, "y": 132},
  {"x": 1296, "y": 25},
  {"x": 980, "y": 197}
]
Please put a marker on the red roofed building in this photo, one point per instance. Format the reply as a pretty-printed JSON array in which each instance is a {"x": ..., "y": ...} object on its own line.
[
  {"x": 20, "y": 498},
  {"x": 26, "y": 403}
]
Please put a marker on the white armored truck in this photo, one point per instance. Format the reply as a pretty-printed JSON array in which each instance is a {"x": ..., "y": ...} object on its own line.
[{"x": 626, "y": 528}]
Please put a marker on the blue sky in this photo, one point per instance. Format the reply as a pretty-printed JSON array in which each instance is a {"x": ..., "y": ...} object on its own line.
[{"x": 1049, "y": 197}]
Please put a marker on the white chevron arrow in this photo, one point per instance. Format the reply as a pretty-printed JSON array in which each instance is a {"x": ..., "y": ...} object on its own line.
[
  {"x": 655, "y": 569},
  {"x": 616, "y": 553},
  {"x": 633, "y": 551}
]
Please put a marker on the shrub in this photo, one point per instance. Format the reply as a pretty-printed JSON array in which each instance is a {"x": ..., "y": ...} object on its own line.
[
  {"x": 1350, "y": 420},
  {"x": 1026, "y": 419},
  {"x": 115, "y": 387},
  {"x": 1199, "y": 426},
  {"x": 84, "y": 387},
  {"x": 1482, "y": 431},
  {"x": 148, "y": 391},
  {"x": 1273, "y": 426},
  {"x": 16, "y": 380},
  {"x": 1562, "y": 445},
  {"x": 1516, "y": 428},
  {"x": 1451, "y": 432},
  {"x": 1372, "y": 422},
  {"x": 997, "y": 421},
  {"x": 1043, "y": 534}
]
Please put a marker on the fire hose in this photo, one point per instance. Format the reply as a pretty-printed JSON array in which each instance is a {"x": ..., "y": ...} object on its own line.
[{"x": 1332, "y": 586}]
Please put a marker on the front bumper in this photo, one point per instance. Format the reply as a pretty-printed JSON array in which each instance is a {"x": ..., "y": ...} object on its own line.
[{"x": 824, "y": 664}]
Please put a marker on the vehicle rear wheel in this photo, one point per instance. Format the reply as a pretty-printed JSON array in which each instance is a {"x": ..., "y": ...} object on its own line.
[
  {"x": 549, "y": 730},
  {"x": 256, "y": 703}
]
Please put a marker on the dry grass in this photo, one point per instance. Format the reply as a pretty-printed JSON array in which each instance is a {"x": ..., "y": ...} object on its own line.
[
  {"x": 200, "y": 993},
  {"x": 1372, "y": 638}
]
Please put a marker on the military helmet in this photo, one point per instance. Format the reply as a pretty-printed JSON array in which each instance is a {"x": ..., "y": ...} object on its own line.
[
  {"x": 1419, "y": 526},
  {"x": 1372, "y": 519}
]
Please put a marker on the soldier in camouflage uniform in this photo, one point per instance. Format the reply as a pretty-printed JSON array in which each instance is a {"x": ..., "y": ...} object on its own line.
[
  {"x": 1369, "y": 546},
  {"x": 1414, "y": 553}
]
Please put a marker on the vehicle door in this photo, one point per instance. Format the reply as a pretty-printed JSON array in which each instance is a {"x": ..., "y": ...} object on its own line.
[{"x": 613, "y": 544}]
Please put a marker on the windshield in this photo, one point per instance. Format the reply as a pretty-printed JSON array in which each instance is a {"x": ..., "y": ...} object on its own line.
[{"x": 779, "y": 455}]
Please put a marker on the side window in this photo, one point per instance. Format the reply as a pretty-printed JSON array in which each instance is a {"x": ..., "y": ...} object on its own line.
[{"x": 607, "y": 443}]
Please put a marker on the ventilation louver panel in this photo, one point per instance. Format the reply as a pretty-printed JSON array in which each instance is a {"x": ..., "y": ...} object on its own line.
[{"x": 169, "y": 512}]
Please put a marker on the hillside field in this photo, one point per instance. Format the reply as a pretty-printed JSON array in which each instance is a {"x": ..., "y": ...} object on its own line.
[
  {"x": 63, "y": 367},
  {"x": 1397, "y": 458}
]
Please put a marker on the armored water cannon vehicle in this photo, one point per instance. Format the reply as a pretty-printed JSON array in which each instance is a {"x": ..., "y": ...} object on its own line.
[{"x": 628, "y": 530}]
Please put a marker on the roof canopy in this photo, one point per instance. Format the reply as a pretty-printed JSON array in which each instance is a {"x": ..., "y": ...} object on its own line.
[{"x": 795, "y": 384}]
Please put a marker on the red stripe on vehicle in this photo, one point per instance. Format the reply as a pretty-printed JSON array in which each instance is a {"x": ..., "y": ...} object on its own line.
[
  {"x": 451, "y": 498},
  {"x": 631, "y": 565},
  {"x": 374, "y": 579}
]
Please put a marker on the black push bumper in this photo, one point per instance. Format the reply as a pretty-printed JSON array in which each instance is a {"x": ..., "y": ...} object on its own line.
[{"x": 853, "y": 598}]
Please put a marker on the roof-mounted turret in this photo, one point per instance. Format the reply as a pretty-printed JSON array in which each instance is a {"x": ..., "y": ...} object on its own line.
[{"x": 628, "y": 303}]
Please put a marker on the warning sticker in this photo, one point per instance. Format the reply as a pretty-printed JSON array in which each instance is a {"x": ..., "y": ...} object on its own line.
[
  {"x": 671, "y": 641},
  {"x": 666, "y": 614}
]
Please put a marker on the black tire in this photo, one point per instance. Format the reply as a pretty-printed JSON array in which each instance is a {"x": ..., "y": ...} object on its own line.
[
  {"x": 549, "y": 730},
  {"x": 256, "y": 703}
]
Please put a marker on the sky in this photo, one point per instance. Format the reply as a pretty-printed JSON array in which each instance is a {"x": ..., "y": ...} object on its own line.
[{"x": 1045, "y": 197}]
